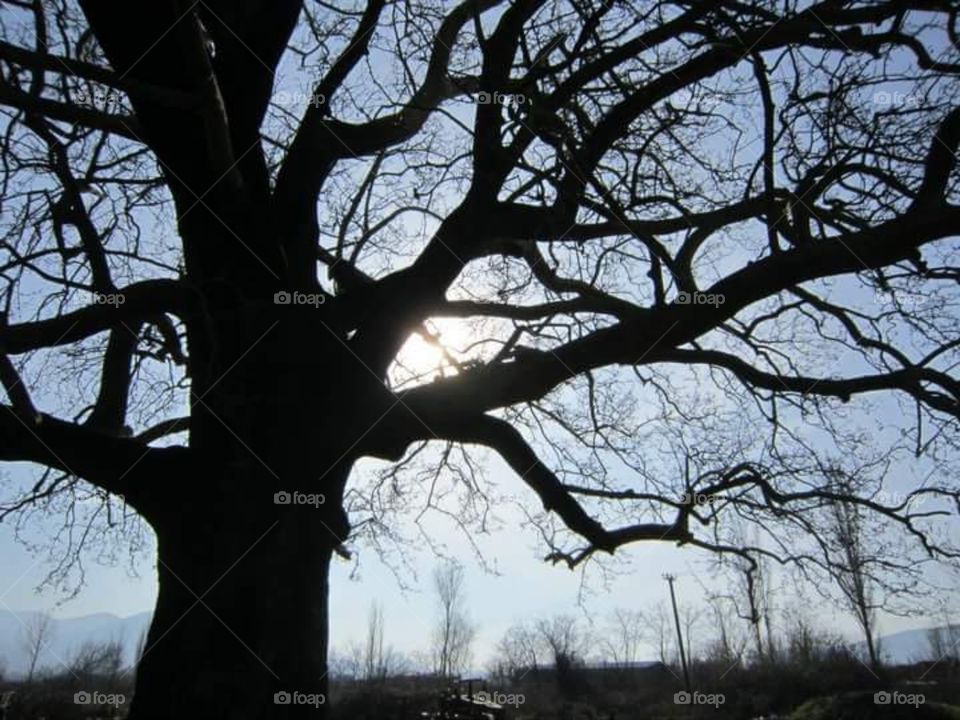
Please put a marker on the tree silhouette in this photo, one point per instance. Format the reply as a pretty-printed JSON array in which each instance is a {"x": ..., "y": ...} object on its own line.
[
  {"x": 716, "y": 226},
  {"x": 453, "y": 633}
]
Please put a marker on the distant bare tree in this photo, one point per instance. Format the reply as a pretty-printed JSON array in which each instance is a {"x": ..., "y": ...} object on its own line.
[
  {"x": 853, "y": 576},
  {"x": 100, "y": 660},
  {"x": 659, "y": 627},
  {"x": 373, "y": 657},
  {"x": 517, "y": 652},
  {"x": 35, "y": 637},
  {"x": 453, "y": 635},
  {"x": 691, "y": 618},
  {"x": 727, "y": 644},
  {"x": 565, "y": 641},
  {"x": 944, "y": 640},
  {"x": 750, "y": 598},
  {"x": 804, "y": 644},
  {"x": 625, "y": 636}
]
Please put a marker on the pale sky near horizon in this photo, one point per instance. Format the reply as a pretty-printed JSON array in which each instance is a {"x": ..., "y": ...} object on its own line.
[{"x": 525, "y": 589}]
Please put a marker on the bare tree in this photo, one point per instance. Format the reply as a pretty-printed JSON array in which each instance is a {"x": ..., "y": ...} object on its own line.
[
  {"x": 660, "y": 226},
  {"x": 565, "y": 641},
  {"x": 944, "y": 640},
  {"x": 691, "y": 618},
  {"x": 625, "y": 636},
  {"x": 751, "y": 599},
  {"x": 804, "y": 645},
  {"x": 853, "y": 576},
  {"x": 35, "y": 637},
  {"x": 375, "y": 661},
  {"x": 374, "y": 667},
  {"x": 97, "y": 661},
  {"x": 518, "y": 652},
  {"x": 727, "y": 643},
  {"x": 661, "y": 634},
  {"x": 454, "y": 633}
]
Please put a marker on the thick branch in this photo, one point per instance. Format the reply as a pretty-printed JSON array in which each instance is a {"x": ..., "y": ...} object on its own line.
[
  {"x": 117, "y": 465},
  {"x": 141, "y": 300},
  {"x": 509, "y": 443}
]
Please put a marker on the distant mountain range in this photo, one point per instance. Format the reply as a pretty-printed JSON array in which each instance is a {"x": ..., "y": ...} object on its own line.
[
  {"x": 68, "y": 635},
  {"x": 908, "y": 646}
]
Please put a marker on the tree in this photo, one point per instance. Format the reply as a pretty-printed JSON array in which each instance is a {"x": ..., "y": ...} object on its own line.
[
  {"x": 95, "y": 662},
  {"x": 943, "y": 640},
  {"x": 565, "y": 643},
  {"x": 454, "y": 633},
  {"x": 853, "y": 577},
  {"x": 374, "y": 669},
  {"x": 728, "y": 645},
  {"x": 661, "y": 633},
  {"x": 728, "y": 224},
  {"x": 625, "y": 636},
  {"x": 558, "y": 641},
  {"x": 372, "y": 661},
  {"x": 750, "y": 594},
  {"x": 518, "y": 653},
  {"x": 35, "y": 637}
]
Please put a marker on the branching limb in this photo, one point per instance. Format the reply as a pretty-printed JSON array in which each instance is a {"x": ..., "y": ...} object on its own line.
[{"x": 118, "y": 465}]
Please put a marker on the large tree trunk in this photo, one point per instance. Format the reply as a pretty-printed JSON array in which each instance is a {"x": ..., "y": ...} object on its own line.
[
  {"x": 240, "y": 628},
  {"x": 241, "y": 618}
]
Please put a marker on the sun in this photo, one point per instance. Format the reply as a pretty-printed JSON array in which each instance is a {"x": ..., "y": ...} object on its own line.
[{"x": 435, "y": 350}]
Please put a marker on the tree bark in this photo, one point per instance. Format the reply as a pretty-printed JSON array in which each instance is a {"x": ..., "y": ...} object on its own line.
[{"x": 240, "y": 628}]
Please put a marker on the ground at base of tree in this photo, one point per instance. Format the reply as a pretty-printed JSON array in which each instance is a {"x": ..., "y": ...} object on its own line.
[{"x": 860, "y": 706}]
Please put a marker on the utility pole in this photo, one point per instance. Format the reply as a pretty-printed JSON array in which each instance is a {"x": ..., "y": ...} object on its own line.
[{"x": 676, "y": 618}]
